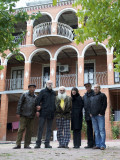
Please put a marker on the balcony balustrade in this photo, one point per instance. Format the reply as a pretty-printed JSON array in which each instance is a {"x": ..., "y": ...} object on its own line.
[
  {"x": 14, "y": 84},
  {"x": 42, "y": 34}
]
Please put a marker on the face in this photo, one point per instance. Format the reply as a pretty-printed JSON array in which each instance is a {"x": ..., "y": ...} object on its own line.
[
  {"x": 49, "y": 84},
  {"x": 96, "y": 88},
  {"x": 88, "y": 87},
  {"x": 62, "y": 90},
  {"x": 31, "y": 89},
  {"x": 73, "y": 92}
]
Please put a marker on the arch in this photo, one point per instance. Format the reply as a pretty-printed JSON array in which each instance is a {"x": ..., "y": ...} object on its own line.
[
  {"x": 1, "y": 60},
  {"x": 44, "y": 13},
  {"x": 10, "y": 54},
  {"x": 93, "y": 43},
  {"x": 65, "y": 47},
  {"x": 62, "y": 11},
  {"x": 38, "y": 50}
]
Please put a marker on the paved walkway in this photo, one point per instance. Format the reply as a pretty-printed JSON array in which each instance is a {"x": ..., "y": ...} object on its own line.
[{"x": 112, "y": 152}]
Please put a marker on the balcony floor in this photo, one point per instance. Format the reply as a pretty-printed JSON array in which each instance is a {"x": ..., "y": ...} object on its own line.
[{"x": 47, "y": 40}]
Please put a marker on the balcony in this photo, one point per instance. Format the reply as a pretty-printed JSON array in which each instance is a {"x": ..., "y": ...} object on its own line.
[
  {"x": 14, "y": 84},
  {"x": 16, "y": 39},
  {"x": 42, "y": 34}
]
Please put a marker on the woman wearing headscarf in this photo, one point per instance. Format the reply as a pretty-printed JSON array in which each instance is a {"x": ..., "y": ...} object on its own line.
[{"x": 76, "y": 117}]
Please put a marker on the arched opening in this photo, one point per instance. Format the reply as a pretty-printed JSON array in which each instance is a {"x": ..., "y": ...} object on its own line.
[
  {"x": 95, "y": 65},
  {"x": 40, "y": 68},
  {"x": 20, "y": 27},
  {"x": 15, "y": 73},
  {"x": 69, "y": 18},
  {"x": 66, "y": 68}
]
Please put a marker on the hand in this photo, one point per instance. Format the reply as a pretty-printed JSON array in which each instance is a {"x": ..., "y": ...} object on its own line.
[
  {"x": 99, "y": 115},
  {"x": 90, "y": 115},
  {"x": 38, "y": 108},
  {"x": 17, "y": 115},
  {"x": 37, "y": 114}
]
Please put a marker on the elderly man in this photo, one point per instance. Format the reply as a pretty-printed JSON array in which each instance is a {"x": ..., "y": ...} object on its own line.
[
  {"x": 63, "y": 115},
  {"x": 97, "y": 112},
  {"x": 86, "y": 100},
  {"x": 46, "y": 108},
  {"x": 26, "y": 110}
]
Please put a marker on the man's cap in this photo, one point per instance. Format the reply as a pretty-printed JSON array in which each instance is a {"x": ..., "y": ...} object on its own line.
[
  {"x": 87, "y": 83},
  {"x": 31, "y": 85}
]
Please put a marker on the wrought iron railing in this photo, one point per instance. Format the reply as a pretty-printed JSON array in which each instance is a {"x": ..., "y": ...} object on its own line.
[
  {"x": 45, "y": 29},
  {"x": 96, "y": 78},
  {"x": 14, "y": 84},
  {"x": 41, "y": 29},
  {"x": 65, "y": 30},
  {"x": 67, "y": 80}
]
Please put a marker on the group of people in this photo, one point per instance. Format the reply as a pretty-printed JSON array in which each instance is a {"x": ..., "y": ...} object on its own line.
[{"x": 67, "y": 110}]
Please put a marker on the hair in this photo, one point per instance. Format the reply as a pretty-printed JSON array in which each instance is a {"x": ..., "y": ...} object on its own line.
[
  {"x": 62, "y": 87},
  {"x": 75, "y": 89}
]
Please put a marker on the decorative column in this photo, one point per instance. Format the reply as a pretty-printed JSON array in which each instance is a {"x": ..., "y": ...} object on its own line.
[
  {"x": 29, "y": 34},
  {"x": 3, "y": 116},
  {"x": 80, "y": 71},
  {"x": 110, "y": 71},
  {"x": 27, "y": 74},
  {"x": 3, "y": 78},
  {"x": 54, "y": 28},
  {"x": 53, "y": 72}
]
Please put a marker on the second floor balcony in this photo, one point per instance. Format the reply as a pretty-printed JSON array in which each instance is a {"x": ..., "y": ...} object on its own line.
[{"x": 46, "y": 34}]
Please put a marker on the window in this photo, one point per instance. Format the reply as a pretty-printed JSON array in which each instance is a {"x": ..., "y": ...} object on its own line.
[
  {"x": 117, "y": 77},
  {"x": 89, "y": 73}
]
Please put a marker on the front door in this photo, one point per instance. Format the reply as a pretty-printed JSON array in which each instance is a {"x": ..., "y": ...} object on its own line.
[
  {"x": 46, "y": 75},
  {"x": 89, "y": 73}
]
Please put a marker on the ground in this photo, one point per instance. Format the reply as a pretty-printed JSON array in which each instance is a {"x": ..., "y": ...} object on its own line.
[{"x": 112, "y": 152}]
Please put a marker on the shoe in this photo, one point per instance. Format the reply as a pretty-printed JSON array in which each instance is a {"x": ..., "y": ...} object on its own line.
[
  {"x": 102, "y": 148},
  {"x": 65, "y": 147},
  {"x": 17, "y": 147},
  {"x": 27, "y": 147},
  {"x": 37, "y": 146},
  {"x": 86, "y": 147},
  {"x": 76, "y": 147},
  {"x": 60, "y": 146},
  {"x": 48, "y": 146},
  {"x": 96, "y": 147}
]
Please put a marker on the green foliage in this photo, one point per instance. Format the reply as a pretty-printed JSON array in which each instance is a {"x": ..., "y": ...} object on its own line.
[
  {"x": 115, "y": 128},
  {"x": 8, "y": 18},
  {"x": 84, "y": 127},
  {"x": 100, "y": 20}
]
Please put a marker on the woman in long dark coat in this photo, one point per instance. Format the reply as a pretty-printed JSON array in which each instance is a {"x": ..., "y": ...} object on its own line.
[{"x": 76, "y": 117}]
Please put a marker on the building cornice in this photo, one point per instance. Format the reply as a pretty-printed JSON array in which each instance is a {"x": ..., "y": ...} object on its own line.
[{"x": 44, "y": 6}]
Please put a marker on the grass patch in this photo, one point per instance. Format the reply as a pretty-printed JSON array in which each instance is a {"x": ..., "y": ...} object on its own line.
[{"x": 5, "y": 155}]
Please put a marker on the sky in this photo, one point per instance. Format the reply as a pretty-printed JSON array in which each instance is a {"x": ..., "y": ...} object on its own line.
[{"x": 21, "y": 3}]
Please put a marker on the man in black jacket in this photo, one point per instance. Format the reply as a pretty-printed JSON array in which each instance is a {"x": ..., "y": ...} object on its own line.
[
  {"x": 97, "y": 112},
  {"x": 46, "y": 107},
  {"x": 86, "y": 99},
  {"x": 26, "y": 112}
]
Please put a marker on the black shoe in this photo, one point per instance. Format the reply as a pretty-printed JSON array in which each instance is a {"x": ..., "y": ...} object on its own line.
[
  {"x": 27, "y": 147},
  {"x": 37, "y": 146},
  {"x": 65, "y": 147},
  {"x": 60, "y": 147},
  {"x": 48, "y": 146},
  {"x": 76, "y": 147},
  {"x": 17, "y": 147},
  {"x": 87, "y": 147}
]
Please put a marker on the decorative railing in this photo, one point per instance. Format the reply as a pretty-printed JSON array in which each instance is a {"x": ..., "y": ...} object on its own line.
[
  {"x": 41, "y": 29},
  {"x": 14, "y": 84},
  {"x": 40, "y": 82},
  {"x": 67, "y": 80},
  {"x": 96, "y": 78},
  {"x": 16, "y": 39},
  {"x": 45, "y": 29},
  {"x": 65, "y": 30}
]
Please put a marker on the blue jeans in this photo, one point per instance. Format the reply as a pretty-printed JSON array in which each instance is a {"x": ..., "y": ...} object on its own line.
[{"x": 99, "y": 129}]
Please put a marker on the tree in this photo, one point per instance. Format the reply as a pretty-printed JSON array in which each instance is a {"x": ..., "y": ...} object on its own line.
[
  {"x": 8, "y": 19},
  {"x": 100, "y": 20}
]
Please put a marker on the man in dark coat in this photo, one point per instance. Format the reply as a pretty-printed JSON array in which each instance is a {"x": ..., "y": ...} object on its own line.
[
  {"x": 63, "y": 116},
  {"x": 46, "y": 107},
  {"x": 76, "y": 117},
  {"x": 97, "y": 112},
  {"x": 26, "y": 110},
  {"x": 86, "y": 100}
]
